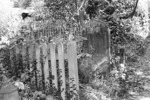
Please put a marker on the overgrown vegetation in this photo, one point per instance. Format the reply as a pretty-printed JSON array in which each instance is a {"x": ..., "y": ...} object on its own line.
[{"x": 113, "y": 79}]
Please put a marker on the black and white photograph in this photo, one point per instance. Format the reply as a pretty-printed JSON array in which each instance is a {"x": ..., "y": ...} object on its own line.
[{"x": 74, "y": 49}]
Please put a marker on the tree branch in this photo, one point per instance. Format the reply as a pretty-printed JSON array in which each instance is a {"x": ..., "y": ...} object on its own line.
[
  {"x": 82, "y": 4},
  {"x": 130, "y": 15}
]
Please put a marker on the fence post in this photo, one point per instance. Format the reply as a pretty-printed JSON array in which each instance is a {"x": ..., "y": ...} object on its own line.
[
  {"x": 62, "y": 68},
  {"x": 72, "y": 65},
  {"x": 53, "y": 65}
]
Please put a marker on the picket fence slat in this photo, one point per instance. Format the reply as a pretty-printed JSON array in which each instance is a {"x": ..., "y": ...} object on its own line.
[
  {"x": 46, "y": 67},
  {"x": 72, "y": 62},
  {"x": 11, "y": 57},
  {"x": 38, "y": 65},
  {"x": 30, "y": 57},
  {"x": 62, "y": 68},
  {"x": 53, "y": 64},
  {"x": 23, "y": 55},
  {"x": 38, "y": 59},
  {"x": 75, "y": 63},
  {"x": 35, "y": 65}
]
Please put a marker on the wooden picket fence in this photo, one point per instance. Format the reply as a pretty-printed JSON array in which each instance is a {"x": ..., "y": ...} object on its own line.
[{"x": 49, "y": 58}]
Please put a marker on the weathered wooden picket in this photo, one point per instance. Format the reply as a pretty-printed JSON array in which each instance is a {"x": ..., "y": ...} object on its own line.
[{"x": 49, "y": 58}]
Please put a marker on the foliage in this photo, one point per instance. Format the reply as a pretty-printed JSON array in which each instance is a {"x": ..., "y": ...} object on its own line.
[
  {"x": 122, "y": 37},
  {"x": 71, "y": 18}
]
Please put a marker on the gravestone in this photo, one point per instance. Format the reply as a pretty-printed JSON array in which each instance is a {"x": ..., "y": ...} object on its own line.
[{"x": 98, "y": 41}]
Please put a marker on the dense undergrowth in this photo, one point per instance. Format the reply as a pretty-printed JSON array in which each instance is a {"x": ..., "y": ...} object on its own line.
[{"x": 113, "y": 79}]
